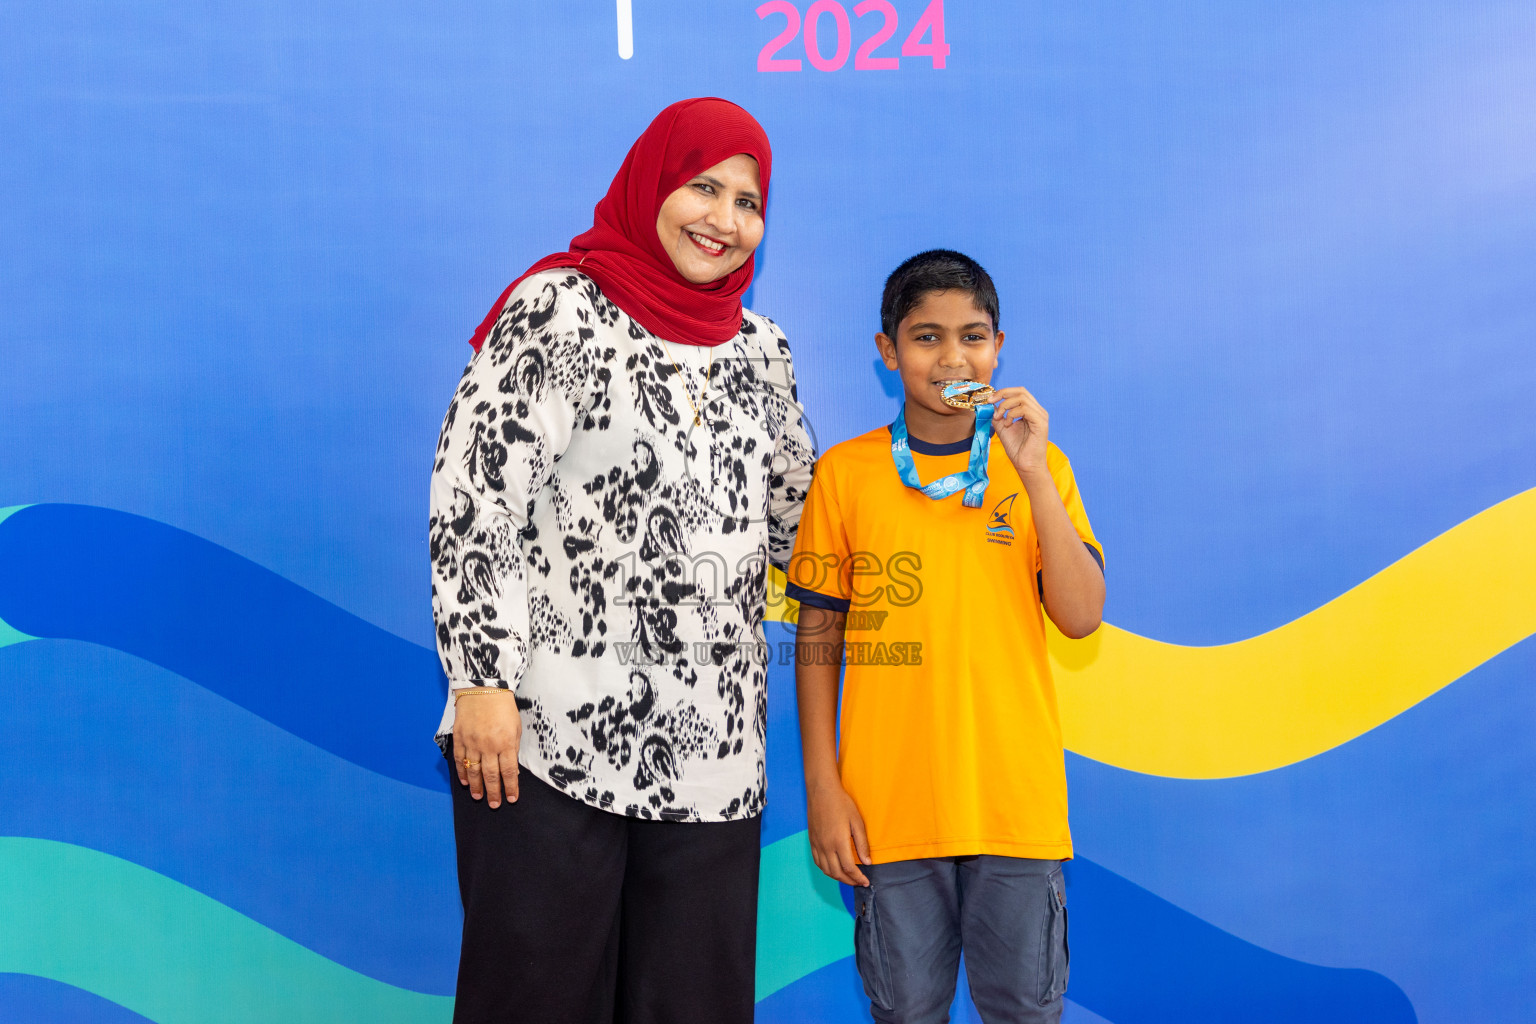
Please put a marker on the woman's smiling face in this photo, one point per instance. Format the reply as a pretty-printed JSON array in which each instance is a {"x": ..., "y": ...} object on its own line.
[{"x": 712, "y": 223}]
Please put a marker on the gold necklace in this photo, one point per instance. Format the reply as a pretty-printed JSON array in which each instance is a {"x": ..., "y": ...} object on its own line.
[{"x": 688, "y": 388}]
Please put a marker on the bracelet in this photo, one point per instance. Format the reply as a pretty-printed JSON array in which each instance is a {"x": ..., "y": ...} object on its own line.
[{"x": 472, "y": 690}]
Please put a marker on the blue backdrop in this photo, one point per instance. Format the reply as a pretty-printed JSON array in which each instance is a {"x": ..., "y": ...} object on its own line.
[{"x": 1272, "y": 269}]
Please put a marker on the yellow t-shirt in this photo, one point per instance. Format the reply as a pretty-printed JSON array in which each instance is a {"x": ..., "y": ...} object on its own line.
[{"x": 950, "y": 742}]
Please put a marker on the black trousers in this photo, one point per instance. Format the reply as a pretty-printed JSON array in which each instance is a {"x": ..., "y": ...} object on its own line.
[{"x": 574, "y": 915}]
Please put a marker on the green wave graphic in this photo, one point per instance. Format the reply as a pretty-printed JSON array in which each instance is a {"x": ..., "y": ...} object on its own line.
[
  {"x": 169, "y": 953},
  {"x": 802, "y": 924},
  {"x": 8, "y": 633}
]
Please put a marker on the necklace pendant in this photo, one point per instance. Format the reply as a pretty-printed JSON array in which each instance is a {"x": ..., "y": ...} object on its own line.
[{"x": 696, "y": 420}]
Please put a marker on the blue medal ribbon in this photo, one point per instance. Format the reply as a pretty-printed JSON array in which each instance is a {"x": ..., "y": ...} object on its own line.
[{"x": 973, "y": 481}]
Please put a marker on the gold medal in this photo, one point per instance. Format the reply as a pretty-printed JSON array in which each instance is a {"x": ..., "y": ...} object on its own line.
[{"x": 966, "y": 394}]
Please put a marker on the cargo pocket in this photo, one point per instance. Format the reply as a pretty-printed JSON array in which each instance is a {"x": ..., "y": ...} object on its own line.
[
  {"x": 1055, "y": 956},
  {"x": 869, "y": 948}
]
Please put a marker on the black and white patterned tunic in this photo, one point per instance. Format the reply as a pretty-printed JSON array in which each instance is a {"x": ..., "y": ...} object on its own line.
[{"x": 604, "y": 556}]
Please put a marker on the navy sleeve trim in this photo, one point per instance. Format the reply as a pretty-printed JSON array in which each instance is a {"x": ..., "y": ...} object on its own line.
[
  {"x": 815, "y": 600},
  {"x": 1098, "y": 556}
]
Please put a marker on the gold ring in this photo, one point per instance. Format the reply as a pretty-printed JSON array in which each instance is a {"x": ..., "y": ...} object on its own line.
[{"x": 471, "y": 764}]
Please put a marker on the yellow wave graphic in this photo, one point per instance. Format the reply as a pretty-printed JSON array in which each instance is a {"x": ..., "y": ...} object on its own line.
[{"x": 1312, "y": 684}]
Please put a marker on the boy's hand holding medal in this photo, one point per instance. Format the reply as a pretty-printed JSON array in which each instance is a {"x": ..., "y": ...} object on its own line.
[
  {"x": 1021, "y": 424},
  {"x": 1019, "y": 421}
]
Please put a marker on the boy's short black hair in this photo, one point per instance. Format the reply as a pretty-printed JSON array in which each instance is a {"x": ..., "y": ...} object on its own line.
[{"x": 936, "y": 270}]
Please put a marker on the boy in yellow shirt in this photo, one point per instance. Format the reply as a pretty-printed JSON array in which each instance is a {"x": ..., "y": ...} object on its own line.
[{"x": 926, "y": 553}]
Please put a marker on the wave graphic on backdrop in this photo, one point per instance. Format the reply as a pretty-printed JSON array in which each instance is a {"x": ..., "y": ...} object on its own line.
[
  {"x": 250, "y": 853},
  {"x": 162, "y": 950},
  {"x": 174, "y": 599},
  {"x": 258, "y": 639},
  {"x": 28, "y": 999},
  {"x": 350, "y": 864},
  {"x": 1137, "y": 957},
  {"x": 223, "y": 622},
  {"x": 8, "y": 633},
  {"x": 1294, "y": 692},
  {"x": 150, "y": 944}
]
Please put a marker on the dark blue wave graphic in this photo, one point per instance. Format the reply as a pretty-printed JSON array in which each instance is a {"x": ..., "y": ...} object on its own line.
[
  {"x": 101, "y": 749},
  {"x": 202, "y": 611},
  {"x": 28, "y": 1000},
  {"x": 832, "y": 993},
  {"x": 1138, "y": 959},
  {"x": 1408, "y": 850}
]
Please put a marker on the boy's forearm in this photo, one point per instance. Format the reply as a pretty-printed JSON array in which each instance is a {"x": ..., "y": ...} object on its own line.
[
  {"x": 818, "y": 659},
  {"x": 1073, "y": 581}
]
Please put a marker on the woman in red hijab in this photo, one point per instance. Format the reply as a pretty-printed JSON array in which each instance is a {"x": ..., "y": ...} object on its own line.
[{"x": 623, "y": 459}]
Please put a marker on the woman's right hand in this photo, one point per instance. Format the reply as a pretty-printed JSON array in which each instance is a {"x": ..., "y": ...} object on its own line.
[
  {"x": 486, "y": 733},
  {"x": 838, "y": 842}
]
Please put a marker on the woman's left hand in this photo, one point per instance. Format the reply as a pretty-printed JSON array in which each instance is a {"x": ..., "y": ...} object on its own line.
[{"x": 1022, "y": 425}]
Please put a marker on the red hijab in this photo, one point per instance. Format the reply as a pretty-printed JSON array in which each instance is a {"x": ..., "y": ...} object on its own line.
[{"x": 622, "y": 251}]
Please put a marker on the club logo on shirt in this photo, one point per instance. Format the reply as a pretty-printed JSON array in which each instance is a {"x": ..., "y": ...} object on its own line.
[{"x": 999, "y": 528}]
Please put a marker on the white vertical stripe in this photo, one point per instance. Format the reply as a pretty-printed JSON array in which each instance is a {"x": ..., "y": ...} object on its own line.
[{"x": 626, "y": 30}]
